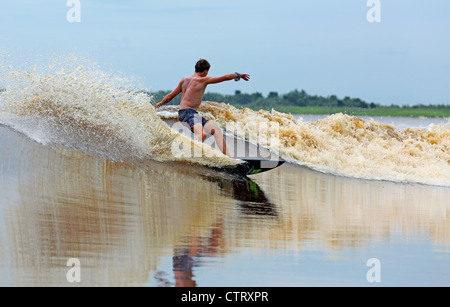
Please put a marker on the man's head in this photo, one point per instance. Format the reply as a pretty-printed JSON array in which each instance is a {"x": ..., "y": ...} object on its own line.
[{"x": 202, "y": 66}]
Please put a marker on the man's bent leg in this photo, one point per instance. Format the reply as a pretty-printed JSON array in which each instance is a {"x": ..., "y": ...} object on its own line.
[
  {"x": 218, "y": 135},
  {"x": 199, "y": 134}
]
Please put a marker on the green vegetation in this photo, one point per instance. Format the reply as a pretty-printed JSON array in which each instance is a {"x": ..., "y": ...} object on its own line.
[
  {"x": 415, "y": 111},
  {"x": 299, "y": 102}
]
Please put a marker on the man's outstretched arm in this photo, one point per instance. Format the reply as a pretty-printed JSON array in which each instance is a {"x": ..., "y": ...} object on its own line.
[
  {"x": 169, "y": 96},
  {"x": 212, "y": 80}
]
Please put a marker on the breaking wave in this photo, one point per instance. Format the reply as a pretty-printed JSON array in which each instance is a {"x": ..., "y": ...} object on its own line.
[
  {"x": 74, "y": 103},
  {"x": 346, "y": 145}
]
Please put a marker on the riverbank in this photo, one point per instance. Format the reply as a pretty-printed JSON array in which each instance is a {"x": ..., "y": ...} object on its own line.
[{"x": 378, "y": 111}]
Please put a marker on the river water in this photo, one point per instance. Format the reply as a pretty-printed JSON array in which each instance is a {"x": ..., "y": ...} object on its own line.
[
  {"x": 166, "y": 224},
  {"x": 100, "y": 189}
]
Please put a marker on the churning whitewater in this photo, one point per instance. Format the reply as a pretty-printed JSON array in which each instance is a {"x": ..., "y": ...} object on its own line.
[
  {"x": 82, "y": 107},
  {"x": 346, "y": 145}
]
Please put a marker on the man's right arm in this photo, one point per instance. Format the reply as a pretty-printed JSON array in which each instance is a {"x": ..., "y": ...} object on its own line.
[{"x": 212, "y": 80}]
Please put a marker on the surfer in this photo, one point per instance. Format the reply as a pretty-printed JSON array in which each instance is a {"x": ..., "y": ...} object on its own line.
[{"x": 192, "y": 89}]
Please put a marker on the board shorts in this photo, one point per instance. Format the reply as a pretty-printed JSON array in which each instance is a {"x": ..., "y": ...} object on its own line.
[{"x": 191, "y": 117}]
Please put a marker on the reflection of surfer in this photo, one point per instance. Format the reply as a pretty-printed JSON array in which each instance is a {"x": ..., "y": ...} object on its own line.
[
  {"x": 184, "y": 259},
  {"x": 253, "y": 203},
  {"x": 192, "y": 89}
]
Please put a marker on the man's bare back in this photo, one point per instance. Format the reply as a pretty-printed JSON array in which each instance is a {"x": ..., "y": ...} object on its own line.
[{"x": 192, "y": 89}]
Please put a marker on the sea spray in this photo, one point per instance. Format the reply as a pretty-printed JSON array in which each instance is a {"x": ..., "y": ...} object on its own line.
[{"x": 74, "y": 103}]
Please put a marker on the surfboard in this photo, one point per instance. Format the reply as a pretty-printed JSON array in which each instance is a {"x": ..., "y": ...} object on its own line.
[
  {"x": 252, "y": 167},
  {"x": 262, "y": 159}
]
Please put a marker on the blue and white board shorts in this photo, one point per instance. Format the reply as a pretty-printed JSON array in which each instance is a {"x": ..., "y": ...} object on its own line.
[{"x": 191, "y": 117}]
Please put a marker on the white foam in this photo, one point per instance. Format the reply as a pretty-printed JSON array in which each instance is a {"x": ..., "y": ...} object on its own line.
[
  {"x": 346, "y": 145},
  {"x": 81, "y": 106}
]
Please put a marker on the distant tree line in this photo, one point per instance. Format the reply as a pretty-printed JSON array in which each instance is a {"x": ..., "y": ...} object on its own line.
[
  {"x": 421, "y": 106},
  {"x": 293, "y": 98}
]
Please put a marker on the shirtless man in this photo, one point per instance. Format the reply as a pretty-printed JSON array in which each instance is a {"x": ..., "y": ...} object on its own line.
[{"x": 192, "y": 89}]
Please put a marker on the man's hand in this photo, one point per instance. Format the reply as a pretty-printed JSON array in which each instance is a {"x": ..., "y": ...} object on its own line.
[
  {"x": 158, "y": 105},
  {"x": 246, "y": 77}
]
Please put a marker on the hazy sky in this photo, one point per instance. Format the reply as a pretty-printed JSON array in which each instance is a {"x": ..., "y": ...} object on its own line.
[{"x": 322, "y": 46}]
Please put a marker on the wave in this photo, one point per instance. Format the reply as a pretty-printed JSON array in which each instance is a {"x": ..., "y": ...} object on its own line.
[
  {"x": 80, "y": 106},
  {"x": 345, "y": 145},
  {"x": 75, "y": 104}
]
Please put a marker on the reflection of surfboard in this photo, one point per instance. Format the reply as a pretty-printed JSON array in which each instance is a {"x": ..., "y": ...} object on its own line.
[{"x": 252, "y": 167}]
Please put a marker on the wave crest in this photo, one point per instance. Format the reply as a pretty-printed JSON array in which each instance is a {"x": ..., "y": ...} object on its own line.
[
  {"x": 347, "y": 145},
  {"x": 93, "y": 111}
]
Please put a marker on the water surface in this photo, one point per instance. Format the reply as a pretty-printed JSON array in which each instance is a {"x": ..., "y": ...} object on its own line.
[{"x": 166, "y": 224}]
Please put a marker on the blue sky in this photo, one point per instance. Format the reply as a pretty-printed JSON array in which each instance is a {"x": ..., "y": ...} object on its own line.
[{"x": 322, "y": 46}]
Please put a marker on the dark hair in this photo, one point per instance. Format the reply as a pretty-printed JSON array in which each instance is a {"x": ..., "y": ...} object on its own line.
[{"x": 202, "y": 65}]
